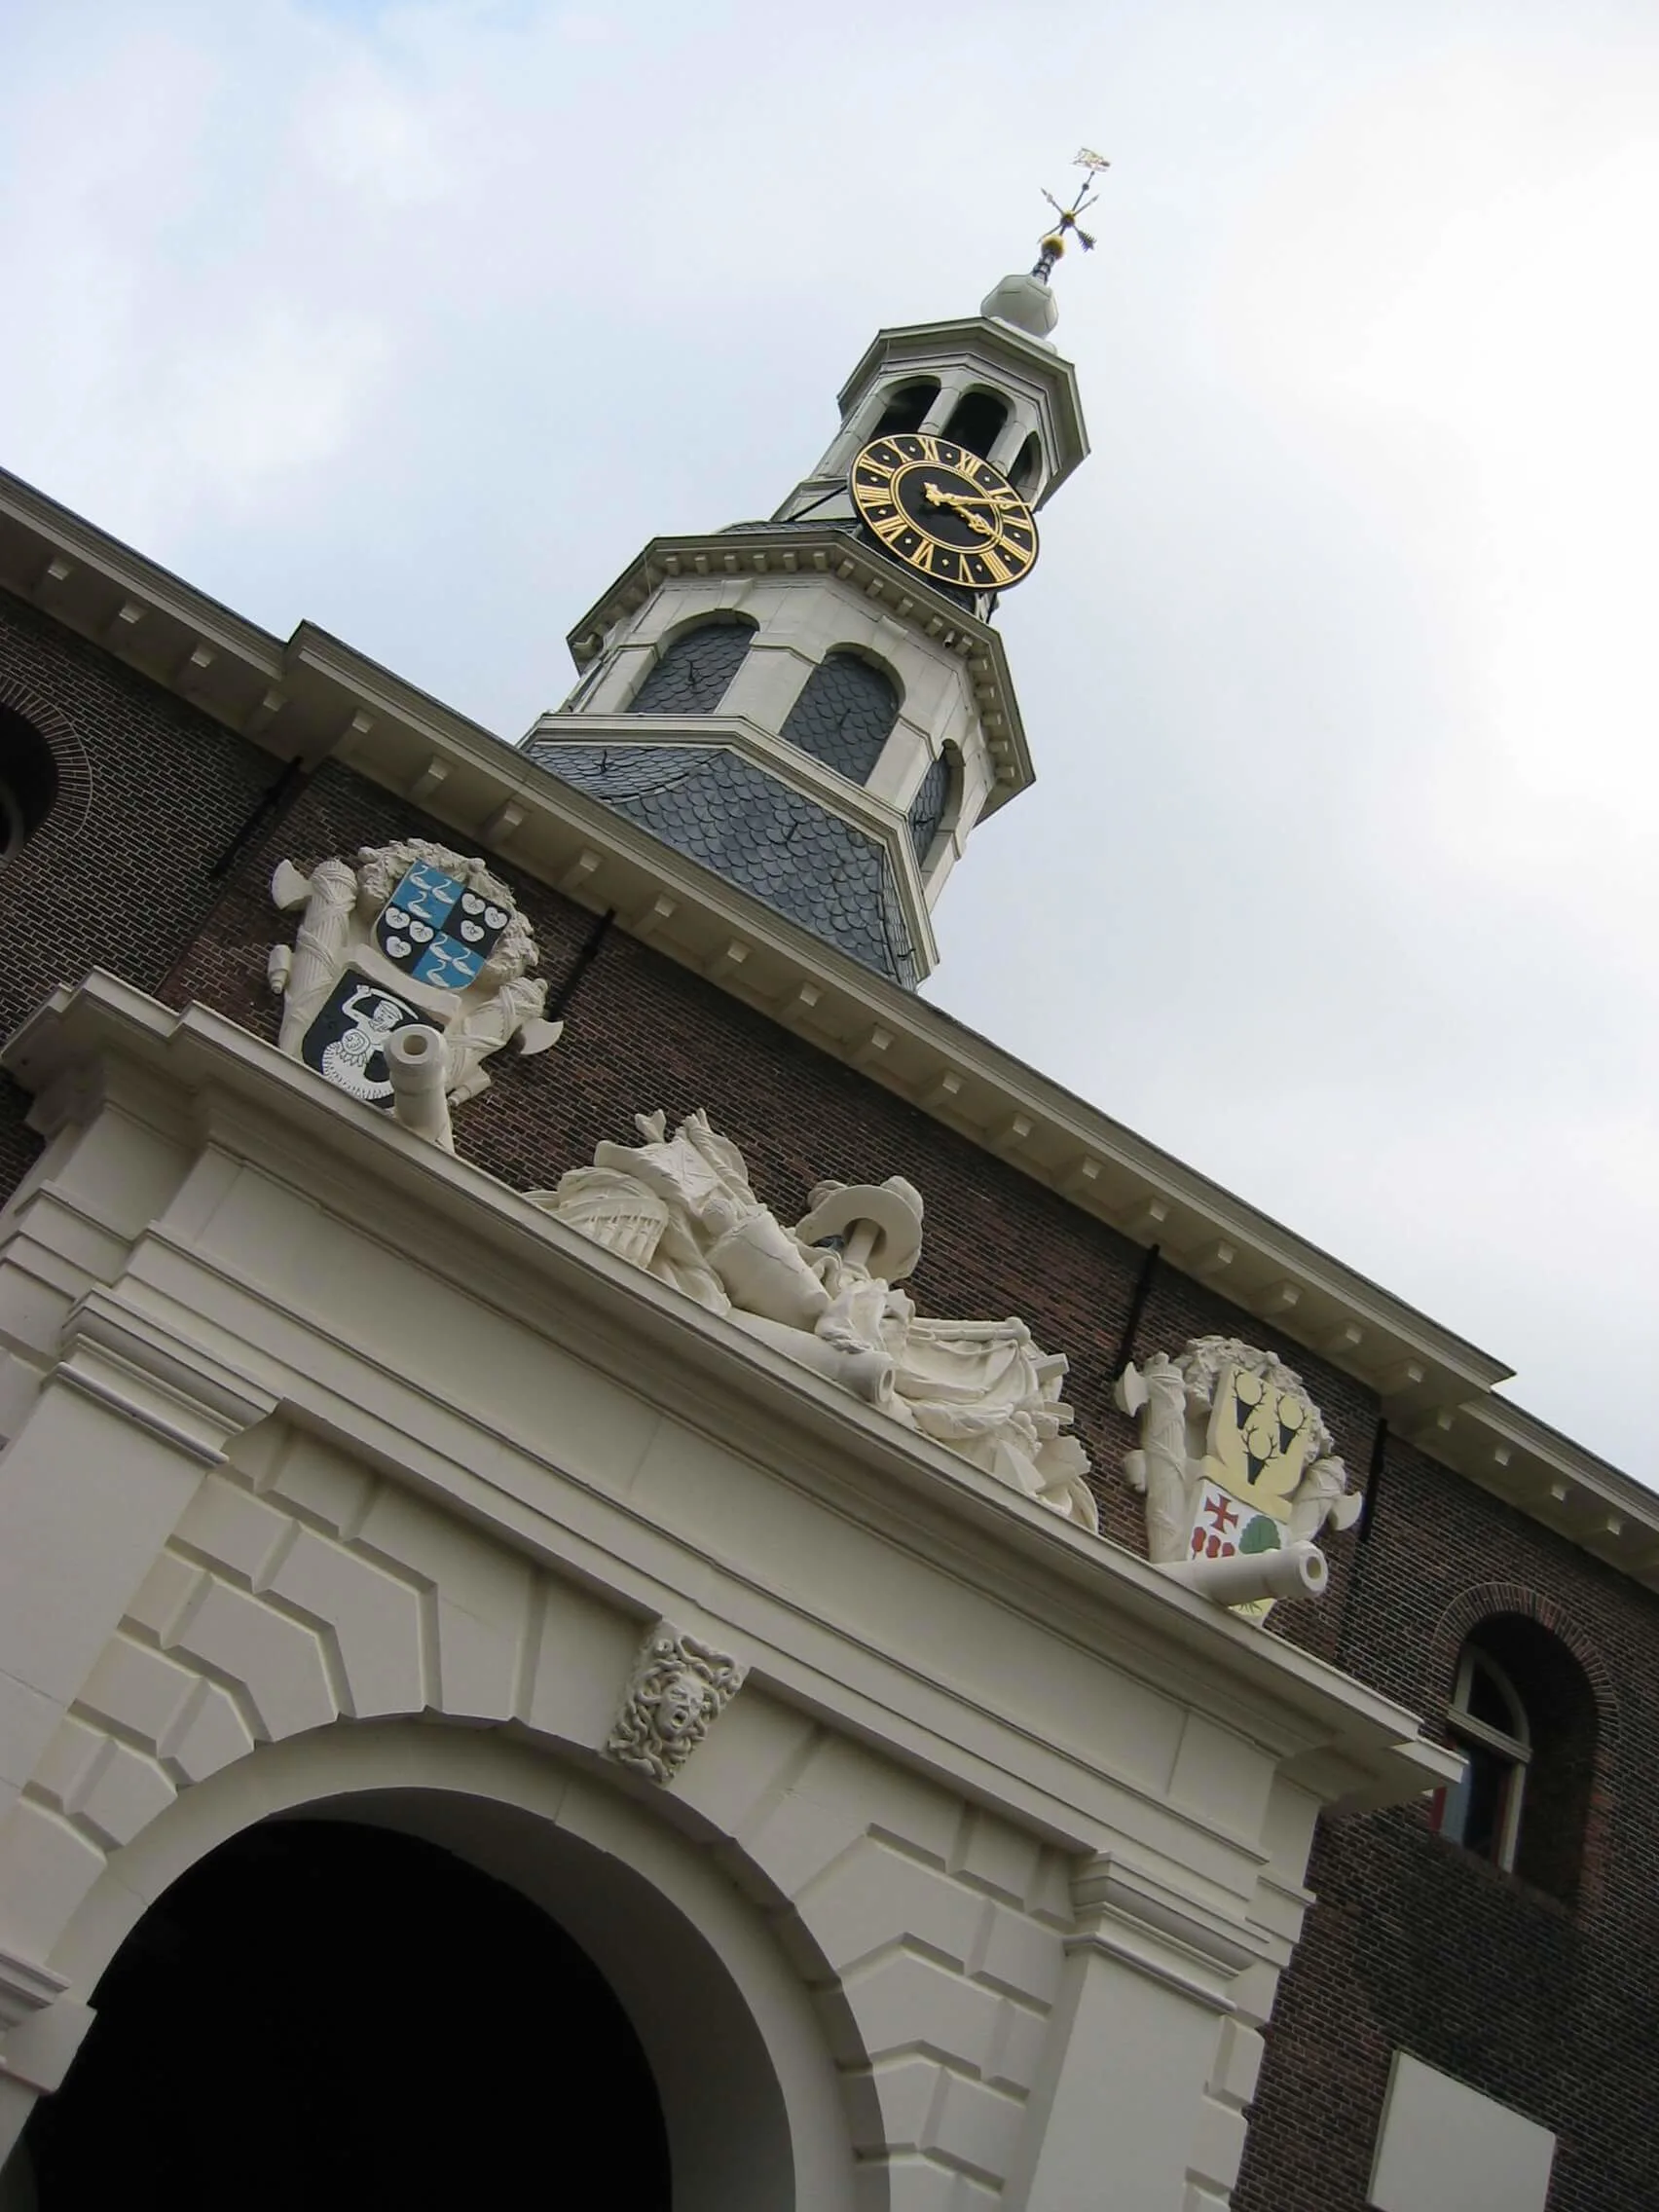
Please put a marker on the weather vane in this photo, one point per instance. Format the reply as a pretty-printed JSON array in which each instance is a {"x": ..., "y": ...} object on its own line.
[{"x": 1054, "y": 242}]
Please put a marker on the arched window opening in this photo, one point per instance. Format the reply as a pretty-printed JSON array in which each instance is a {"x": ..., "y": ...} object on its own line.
[
  {"x": 1524, "y": 1716},
  {"x": 695, "y": 670},
  {"x": 1482, "y": 1811},
  {"x": 844, "y": 714},
  {"x": 927, "y": 808},
  {"x": 28, "y": 781},
  {"x": 1027, "y": 469},
  {"x": 906, "y": 407},
  {"x": 976, "y": 421}
]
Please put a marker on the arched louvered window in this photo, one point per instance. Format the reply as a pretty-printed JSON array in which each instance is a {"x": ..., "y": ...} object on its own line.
[
  {"x": 844, "y": 714},
  {"x": 907, "y": 406},
  {"x": 28, "y": 781},
  {"x": 1028, "y": 467},
  {"x": 696, "y": 669},
  {"x": 976, "y": 421},
  {"x": 927, "y": 808}
]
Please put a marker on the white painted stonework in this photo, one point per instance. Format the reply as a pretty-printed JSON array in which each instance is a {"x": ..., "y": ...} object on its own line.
[{"x": 975, "y": 1893}]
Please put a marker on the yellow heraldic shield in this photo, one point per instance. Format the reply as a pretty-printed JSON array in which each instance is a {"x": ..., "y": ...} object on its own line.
[{"x": 1259, "y": 1437}]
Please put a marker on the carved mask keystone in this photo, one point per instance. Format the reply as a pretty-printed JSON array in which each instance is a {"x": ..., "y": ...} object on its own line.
[{"x": 679, "y": 1688}]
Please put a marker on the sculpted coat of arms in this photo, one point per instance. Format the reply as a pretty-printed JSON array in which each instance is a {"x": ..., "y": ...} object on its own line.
[
  {"x": 824, "y": 1292},
  {"x": 408, "y": 969},
  {"x": 1236, "y": 1467}
]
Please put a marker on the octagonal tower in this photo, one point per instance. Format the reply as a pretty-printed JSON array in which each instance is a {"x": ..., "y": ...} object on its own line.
[{"x": 792, "y": 702}]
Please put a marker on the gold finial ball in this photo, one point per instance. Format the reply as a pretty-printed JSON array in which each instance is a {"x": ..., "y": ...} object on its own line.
[{"x": 1054, "y": 243}]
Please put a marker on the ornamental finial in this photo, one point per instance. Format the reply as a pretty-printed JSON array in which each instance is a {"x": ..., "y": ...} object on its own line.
[{"x": 1053, "y": 243}]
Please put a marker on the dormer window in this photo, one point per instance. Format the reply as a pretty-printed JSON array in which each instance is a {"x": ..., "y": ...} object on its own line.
[
  {"x": 695, "y": 671},
  {"x": 844, "y": 714}
]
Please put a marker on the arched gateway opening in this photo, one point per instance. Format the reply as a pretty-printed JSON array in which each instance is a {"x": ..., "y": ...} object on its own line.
[
  {"x": 324, "y": 2013},
  {"x": 644, "y": 1962}
]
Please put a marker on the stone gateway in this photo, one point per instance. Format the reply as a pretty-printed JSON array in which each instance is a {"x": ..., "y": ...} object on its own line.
[{"x": 764, "y": 1598}]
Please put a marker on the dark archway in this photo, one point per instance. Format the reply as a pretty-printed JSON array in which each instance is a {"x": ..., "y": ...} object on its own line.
[
  {"x": 906, "y": 407},
  {"x": 28, "y": 780},
  {"x": 977, "y": 420},
  {"x": 321, "y": 2013}
]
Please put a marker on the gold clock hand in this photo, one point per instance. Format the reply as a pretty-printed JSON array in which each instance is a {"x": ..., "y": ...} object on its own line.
[{"x": 938, "y": 498}]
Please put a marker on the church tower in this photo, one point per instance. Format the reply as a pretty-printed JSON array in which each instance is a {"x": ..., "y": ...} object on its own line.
[{"x": 817, "y": 708}]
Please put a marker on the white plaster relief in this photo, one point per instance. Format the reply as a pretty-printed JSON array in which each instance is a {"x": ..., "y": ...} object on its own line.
[
  {"x": 824, "y": 1293},
  {"x": 679, "y": 1688},
  {"x": 1236, "y": 1468},
  {"x": 410, "y": 966}
]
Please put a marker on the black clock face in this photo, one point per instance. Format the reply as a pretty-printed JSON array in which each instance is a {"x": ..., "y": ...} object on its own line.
[{"x": 945, "y": 511}]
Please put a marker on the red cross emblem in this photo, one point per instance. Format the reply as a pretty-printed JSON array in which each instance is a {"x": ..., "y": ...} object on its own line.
[{"x": 1221, "y": 1516}]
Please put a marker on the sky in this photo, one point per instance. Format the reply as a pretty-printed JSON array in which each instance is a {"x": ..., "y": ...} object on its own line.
[{"x": 1339, "y": 670}]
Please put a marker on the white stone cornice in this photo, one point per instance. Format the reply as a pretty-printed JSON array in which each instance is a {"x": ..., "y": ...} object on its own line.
[
  {"x": 25, "y": 1988},
  {"x": 41, "y": 2027},
  {"x": 1165, "y": 1933},
  {"x": 175, "y": 1389},
  {"x": 438, "y": 1220}
]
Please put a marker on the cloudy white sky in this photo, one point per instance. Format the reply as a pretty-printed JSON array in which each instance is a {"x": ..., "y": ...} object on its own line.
[{"x": 1339, "y": 670}]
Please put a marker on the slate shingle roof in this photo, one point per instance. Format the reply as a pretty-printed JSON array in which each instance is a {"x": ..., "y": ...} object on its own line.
[{"x": 744, "y": 825}]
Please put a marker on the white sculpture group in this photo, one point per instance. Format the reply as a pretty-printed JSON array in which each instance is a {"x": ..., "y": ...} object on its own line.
[
  {"x": 824, "y": 1293},
  {"x": 409, "y": 968}
]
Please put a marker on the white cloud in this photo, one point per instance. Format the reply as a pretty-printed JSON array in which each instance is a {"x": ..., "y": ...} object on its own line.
[{"x": 417, "y": 319}]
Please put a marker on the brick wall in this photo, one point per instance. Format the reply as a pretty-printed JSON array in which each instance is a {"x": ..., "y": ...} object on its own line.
[
  {"x": 127, "y": 886},
  {"x": 1414, "y": 1942},
  {"x": 1543, "y": 2005}
]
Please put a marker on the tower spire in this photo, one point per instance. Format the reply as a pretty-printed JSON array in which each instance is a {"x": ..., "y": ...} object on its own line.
[{"x": 1054, "y": 242}]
